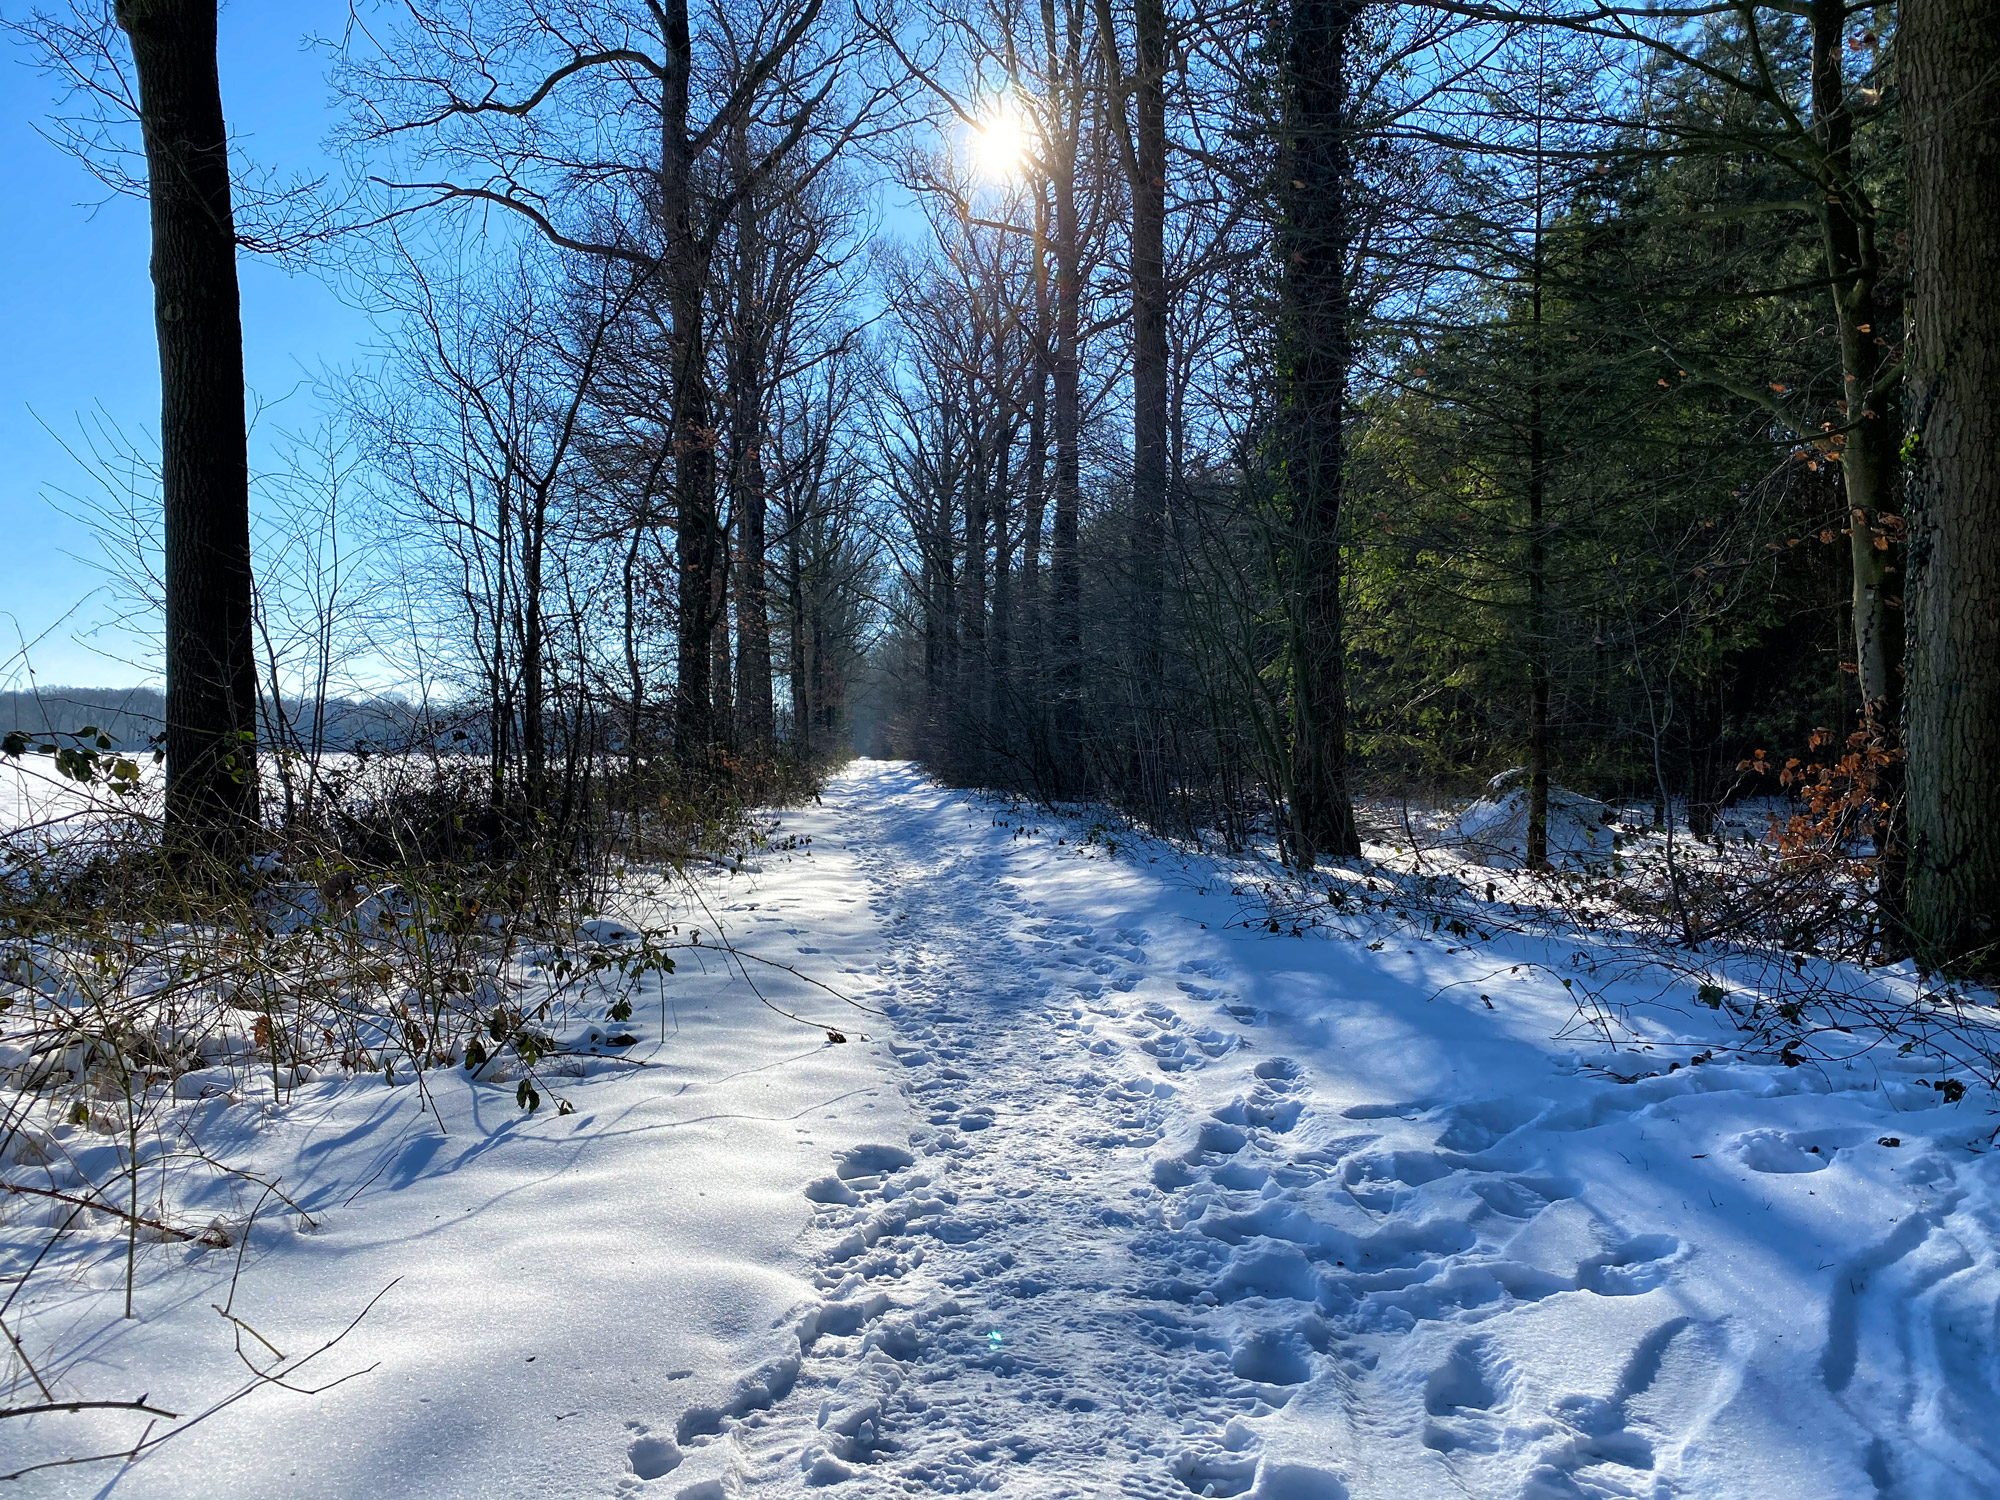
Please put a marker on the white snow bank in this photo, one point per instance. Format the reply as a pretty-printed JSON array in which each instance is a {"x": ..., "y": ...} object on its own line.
[
  {"x": 561, "y": 1296},
  {"x": 1494, "y": 830}
]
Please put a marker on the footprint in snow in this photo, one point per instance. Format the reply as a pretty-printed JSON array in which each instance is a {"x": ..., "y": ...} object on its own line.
[
  {"x": 1461, "y": 1394},
  {"x": 652, "y": 1457},
  {"x": 1785, "y": 1151},
  {"x": 1598, "y": 1450},
  {"x": 871, "y": 1161},
  {"x": 1634, "y": 1267},
  {"x": 1483, "y": 1123}
]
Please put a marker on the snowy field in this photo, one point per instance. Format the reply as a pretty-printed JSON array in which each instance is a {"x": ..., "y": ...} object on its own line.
[
  {"x": 33, "y": 798},
  {"x": 1119, "y": 1194}
]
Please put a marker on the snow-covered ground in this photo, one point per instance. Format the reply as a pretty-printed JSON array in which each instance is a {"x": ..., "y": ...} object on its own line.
[
  {"x": 1119, "y": 1196},
  {"x": 34, "y": 797}
]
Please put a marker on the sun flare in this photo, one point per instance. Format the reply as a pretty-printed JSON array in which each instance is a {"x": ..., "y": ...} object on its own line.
[{"x": 999, "y": 143}]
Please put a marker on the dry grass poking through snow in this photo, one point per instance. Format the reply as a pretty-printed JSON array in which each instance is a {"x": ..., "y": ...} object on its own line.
[{"x": 404, "y": 931}]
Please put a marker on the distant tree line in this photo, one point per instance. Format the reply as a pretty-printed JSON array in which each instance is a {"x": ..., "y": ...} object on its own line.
[{"x": 133, "y": 719}]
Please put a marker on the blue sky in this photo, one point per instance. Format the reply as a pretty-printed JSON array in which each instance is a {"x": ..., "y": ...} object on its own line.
[
  {"x": 76, "y": 319},
  {"x": 76, "y": 326}
]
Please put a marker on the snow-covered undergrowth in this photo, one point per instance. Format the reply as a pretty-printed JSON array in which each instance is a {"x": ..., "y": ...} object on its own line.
[
  {"x": 1778, "y": 937},
  {"x": 152, "y": 1004},
  {"x": 1122, "y": 1193}
]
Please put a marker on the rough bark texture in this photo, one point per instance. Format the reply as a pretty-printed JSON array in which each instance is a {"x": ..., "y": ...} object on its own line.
[
  {"x": 697, "y": 536},
  {"x": 1313, "y": 351},
  {"x": 211, "y": 672},
  {"x": 1950, "y": 66},
  {"x": 748, "y": 376},
  {"x": 1065, "y": 565},
  {"x": 1149, "y": 327}
]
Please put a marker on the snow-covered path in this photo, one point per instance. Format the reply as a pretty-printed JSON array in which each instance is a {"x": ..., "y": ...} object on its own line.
[
  {"x": 1113, "y": 1196},
  {"x": 1194, "y": 1211}
]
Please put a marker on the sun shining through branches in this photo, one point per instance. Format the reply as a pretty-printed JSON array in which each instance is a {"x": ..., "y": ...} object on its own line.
[{"x": 999, "y": 143}]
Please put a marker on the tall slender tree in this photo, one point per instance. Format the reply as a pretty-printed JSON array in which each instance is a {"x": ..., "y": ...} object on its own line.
[
  {"x": 747, "y": 393},
  {"x": 1142, "y": 148},
  {"x": 205, "y": 478},
  {"x": 601, "y": 128}
]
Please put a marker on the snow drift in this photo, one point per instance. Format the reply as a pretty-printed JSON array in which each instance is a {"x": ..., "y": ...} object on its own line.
[{"x": 1494, "y": 830}]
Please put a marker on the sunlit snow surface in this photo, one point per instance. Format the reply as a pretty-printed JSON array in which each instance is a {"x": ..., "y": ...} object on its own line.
[
  {"x": 1120, "y": 1198},
  {"x": 38, "y": 804}
]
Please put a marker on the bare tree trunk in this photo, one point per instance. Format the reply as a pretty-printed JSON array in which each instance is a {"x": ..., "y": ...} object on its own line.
[
  {"x": 1143, "y": 151},
  {"x": 697, "y": 536},
  {"x": 1949, "y": 54},
  {"x": 970, "y": 730},
  {"x": 1314, "y": 349},
  {"x": 1037, "y": 460},
  {"x": 1000, "y": 642},
  {"x": 1538, "y": 575},
  {"x": 1868, "y": 455},
  {"x": 635, "y": 676},
  {"x": 720, "y": 676},
  {"x": 753, "y": 611},
  {"x": 205, "y": 481},
  {"x": 746, "y": 479},
  {"x": 796, "y": 648},
  {"x": 534, "y": 656},
  {"x": 1064, "y": 562},
  {"x": 1149, "y": 327}
]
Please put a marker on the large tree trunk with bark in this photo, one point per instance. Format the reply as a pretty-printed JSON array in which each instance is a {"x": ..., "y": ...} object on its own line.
[
  {"x": 748, "y": 377},
  {"x": 205, "y": 482},
  {"x": 1314, "y": 346},
  {"x": 1950, "y": 70},
  {"x": 697, "y": 534}
]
